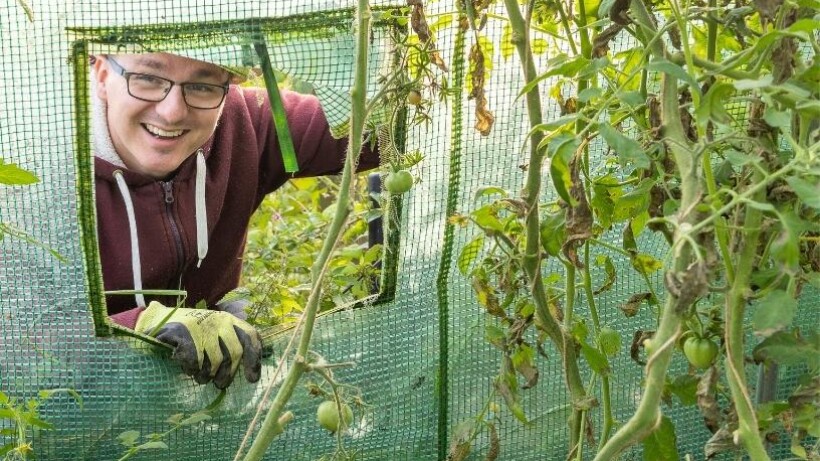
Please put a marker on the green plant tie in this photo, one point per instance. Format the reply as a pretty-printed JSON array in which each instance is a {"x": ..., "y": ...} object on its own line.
[{"x": 280, "y": 121}]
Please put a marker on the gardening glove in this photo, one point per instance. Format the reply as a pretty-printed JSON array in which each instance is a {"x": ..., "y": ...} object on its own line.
[
  {"x": 208, "y": 344},
  {"x": 237, "y": 308}
]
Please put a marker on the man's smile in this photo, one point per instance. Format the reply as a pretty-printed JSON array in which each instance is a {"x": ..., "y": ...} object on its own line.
[{"x": 164, "y": 134}]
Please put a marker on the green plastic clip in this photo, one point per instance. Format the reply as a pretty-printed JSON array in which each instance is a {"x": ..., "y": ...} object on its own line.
[{"x": 280, "y": 120}]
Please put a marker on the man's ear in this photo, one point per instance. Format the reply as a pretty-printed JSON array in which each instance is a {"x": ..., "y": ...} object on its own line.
[{"x": 100, "y": 74}]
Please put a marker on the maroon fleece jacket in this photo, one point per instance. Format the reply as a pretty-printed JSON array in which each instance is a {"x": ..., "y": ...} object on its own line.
[{"x": 243, "y": 164}]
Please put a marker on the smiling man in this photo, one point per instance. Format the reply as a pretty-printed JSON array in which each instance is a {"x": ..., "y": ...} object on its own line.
[{"x": 183, "y": 158}]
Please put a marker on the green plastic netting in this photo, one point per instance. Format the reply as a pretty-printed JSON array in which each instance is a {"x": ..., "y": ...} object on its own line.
[{"x": 422, "y": 363}]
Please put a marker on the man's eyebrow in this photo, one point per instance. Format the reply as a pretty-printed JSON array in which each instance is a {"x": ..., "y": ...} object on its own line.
[{"x": 201, "y": 72}]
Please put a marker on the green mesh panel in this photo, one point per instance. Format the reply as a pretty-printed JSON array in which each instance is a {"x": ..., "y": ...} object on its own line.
[{"x": 422, "y": 363}]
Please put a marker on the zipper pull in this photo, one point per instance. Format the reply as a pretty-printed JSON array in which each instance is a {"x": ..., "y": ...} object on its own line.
[{"x": 168, "y": 187}]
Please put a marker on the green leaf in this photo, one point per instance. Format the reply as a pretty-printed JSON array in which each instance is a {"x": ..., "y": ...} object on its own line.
[
  {"x": 560, "y": 65},
  {"x": 785, "y": 248},
  {"x": 7, "y": 448},
  {"x": 633, "y": 203},
  {"x": 646, "y": 264},
  {"x": 195, "y": 418},
  {"x": 778, "y": 118},
  {"x": 747, "y": 84},
  {"x": 539, "y": 46},
  {"x": 713, "y": 104},
  {"x": 128, "y": 438},
  {"x": 32, "y": 420},
  {"x": 596, "y": 359},
  {"x": 489, "y": 191},
  {"x": 788, "y": 348},
  {"x": 685, "y": 388},
  {"x": 631, "y": 98},
  {"x": 561, "y": 149},
  {"x": 495, "y": 336},
  {"x": 556, "y": 124},
  {"x": 805, "y": 25},
  {"x": 773, "y": 313},
  {"x": 506, "y": 386},
  {"x": 469, "y": 254},
  {"x": 153, "y": 445},
  {"x": 670, "y": 68},
  {"x": 12, "y": 175},
  {"x": 486, "y": 218},
  {"x": 587, "y": 94},
  {"x": 661, "y": 444},
  {"x": 628, "y": 150},
  {"x": 611, "y": 274},
  {"x": 808, "y": 191},
  {"x": 553, "y": 232}
]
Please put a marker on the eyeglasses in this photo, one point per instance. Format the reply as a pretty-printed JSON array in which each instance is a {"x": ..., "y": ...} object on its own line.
[{"x": 151, "y": 88}]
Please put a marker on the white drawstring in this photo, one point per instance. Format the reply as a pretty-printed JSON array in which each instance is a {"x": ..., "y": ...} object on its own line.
[
  {"x": 136, "y": 267},
  {"x": 201, "y": 213}
]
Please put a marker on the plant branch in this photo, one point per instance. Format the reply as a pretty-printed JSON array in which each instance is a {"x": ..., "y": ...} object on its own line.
[
  {"x": 358, "y": 94},
  {"x": 648, "y": 414},
  {"x": 532, "y": 259}
]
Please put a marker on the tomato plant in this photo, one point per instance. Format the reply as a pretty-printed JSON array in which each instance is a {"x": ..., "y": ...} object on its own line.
[{"x": 708, "y": 125}]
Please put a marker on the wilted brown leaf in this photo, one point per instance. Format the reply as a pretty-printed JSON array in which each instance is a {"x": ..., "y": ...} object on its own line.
[
  {"x": 707, "y": 399},
  {"x": 600, "y": 45},
  {"x": 619, "y": 12},
  {"x": 579, "y": 217},
  {"x": 495, "y": 444},
  {"x": 633, "y": 304},
  {"x": 637, "y": 344},
  {"x": 484, "y": 118}
]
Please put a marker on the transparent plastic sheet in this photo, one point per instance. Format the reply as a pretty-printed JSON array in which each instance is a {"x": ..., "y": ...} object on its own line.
[{"x": 47, "y": 336}]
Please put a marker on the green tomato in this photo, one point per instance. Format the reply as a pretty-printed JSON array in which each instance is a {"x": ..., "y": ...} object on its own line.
[
  {"x": 610, "y": 341},
  {"x": 701, "y": 352},
  {"x": 328, "y": 415},
  {"x": 398, "y": 182},
  {"x": 414, "y": 98}
]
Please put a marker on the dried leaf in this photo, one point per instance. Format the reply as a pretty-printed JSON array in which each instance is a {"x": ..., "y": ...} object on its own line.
[
  {"x": 707, "y": 399},
  {"x": 633, "y": 304},
  {"x": 688, "y": 286},
  {"x": 722, "y": 441},
  {"x": 495, "y": 444},
  {"x": 637, "y": 344},
  {"x": 418, "y": 21},
  {"x": 459, "y": 451},
  {"x": 484, "y": 118},
  {"x": 579, "y": 216},
  {"x": 619, "y": 12},
  {"x": 460, "y": 443},
  {"x": 600, "y": 45},
  {"x": 768, "y": 8},
  {"x": 486, "y": 297}
]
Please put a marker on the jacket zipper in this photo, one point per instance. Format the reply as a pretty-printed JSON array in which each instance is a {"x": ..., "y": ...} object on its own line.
[{"x": 168, "y": 187}]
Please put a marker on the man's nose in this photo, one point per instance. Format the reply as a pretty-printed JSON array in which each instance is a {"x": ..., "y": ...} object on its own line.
[{"x": 173, "y": 108}]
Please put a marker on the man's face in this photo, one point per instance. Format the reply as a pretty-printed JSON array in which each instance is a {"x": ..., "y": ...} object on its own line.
[{"x": 154, "y": 138}]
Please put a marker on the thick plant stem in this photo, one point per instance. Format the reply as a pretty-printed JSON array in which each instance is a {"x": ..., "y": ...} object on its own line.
[
  {"x": 532, "y": 263},
  {"x": 747, "y": 430},
  {"x": 271, "y": 426},
  {"x": 648, "y": 414}
]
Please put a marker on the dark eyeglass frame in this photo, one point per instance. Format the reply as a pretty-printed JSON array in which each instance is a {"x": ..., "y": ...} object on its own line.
[{"x": 118, "y": 69}]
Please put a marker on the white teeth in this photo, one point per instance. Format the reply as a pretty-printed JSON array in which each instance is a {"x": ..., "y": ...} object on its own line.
[{"x": 160, "y": 132}]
